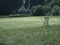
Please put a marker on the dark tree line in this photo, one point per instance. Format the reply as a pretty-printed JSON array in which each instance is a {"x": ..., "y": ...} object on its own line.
[{"x": 43, "y": 7}]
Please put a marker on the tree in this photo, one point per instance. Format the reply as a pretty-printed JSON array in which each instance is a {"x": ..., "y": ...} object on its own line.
[{"x": 55, "y": 10}]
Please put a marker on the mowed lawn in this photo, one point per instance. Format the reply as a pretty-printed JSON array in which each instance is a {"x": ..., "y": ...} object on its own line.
[{"x": 29, "y": 31}]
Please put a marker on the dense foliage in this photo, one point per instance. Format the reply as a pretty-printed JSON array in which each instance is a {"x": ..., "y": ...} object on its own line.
[{"x": 37, "y": 7}]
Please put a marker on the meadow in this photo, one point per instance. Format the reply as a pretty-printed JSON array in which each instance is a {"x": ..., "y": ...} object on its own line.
[{"x": 29, "y": 31}]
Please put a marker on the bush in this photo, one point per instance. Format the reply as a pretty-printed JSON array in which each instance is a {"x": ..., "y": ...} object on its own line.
[
  {"x": 41, "y": 11},
  {"x": 18, "y": 15}
]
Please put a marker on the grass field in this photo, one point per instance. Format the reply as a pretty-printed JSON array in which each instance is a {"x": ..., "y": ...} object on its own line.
[{"x": 29, "y": 31}]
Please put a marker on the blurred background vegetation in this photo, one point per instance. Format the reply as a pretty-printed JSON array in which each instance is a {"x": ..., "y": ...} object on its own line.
[{"x": 32, "y": 8}]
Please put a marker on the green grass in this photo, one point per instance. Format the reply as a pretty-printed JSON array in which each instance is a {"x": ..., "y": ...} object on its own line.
[{"x": 29, "y": 31}]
